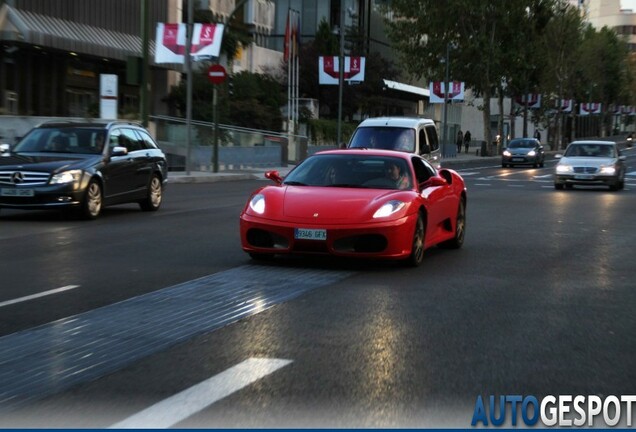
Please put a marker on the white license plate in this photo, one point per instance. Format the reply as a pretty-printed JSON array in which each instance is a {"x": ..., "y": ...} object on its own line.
[
  {"x": 17, "y": 192},
  {"x": 310, "y": 234},
  {"x": 517, "y": 159},
  {"x": 583, "y": 177}
]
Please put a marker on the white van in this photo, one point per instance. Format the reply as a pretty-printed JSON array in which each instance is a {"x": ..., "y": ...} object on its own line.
[{"x": 408, "y": 134}]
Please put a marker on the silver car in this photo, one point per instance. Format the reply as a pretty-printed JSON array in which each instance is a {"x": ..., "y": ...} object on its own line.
[{"x": 590, "y": 163}]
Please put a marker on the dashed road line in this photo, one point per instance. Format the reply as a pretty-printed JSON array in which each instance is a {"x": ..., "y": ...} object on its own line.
[
  {"x": 177, "y": 408},
  {"x": 38, "y": 295}
]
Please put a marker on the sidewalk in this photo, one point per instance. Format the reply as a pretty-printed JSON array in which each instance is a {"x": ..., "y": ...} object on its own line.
[{"x": 461, "y": 160}]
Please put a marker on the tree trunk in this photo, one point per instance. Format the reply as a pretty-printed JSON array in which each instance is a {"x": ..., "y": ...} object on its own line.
[{"x": 487, "y": 130}]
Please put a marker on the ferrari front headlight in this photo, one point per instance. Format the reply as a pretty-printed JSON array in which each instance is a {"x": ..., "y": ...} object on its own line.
[
  {"x": 66, "y": 177},
  {"x": 257, "y": 203},
  {"x": 388, "y": 209}
]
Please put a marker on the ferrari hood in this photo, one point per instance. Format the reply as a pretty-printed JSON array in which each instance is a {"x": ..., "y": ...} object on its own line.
[{"x": 333, "y": 203}]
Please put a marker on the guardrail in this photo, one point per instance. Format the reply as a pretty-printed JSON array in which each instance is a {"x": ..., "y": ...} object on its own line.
[{"x": 239, "y": 147}]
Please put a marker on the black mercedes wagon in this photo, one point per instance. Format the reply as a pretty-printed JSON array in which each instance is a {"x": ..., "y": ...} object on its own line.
[{"x": 83, "y": 166}]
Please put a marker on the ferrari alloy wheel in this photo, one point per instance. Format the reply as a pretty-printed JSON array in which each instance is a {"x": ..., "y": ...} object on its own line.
[
  {"x": 417, "y": 250},
  {"x": 92, "y": 204},
  {"x": 154, "y": 195},
  {"x": 460, "y": 229}
]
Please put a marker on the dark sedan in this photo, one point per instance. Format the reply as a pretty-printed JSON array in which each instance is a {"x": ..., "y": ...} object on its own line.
[
  {"x": 523, "y": 151},
  {"x": 83, "y": 167}
]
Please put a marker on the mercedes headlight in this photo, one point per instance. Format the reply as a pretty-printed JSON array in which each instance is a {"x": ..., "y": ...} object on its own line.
[
  {"x": 388, "y": 209},
  {"x": 66, "y": 177},
  {"x": 608, "y": 170},
  {"x": 257, "y": 203},
  {"x": 564, "y": 169}
]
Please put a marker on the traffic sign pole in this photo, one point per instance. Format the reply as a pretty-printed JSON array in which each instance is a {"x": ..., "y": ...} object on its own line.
[{"x": 216, "y": 75}]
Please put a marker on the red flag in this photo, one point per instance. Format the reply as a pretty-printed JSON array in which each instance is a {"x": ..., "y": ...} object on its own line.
[{"x": 288, "y": 31}]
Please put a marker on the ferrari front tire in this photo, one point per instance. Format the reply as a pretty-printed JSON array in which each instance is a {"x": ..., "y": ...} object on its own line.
[{"x": 417, "y": 249}]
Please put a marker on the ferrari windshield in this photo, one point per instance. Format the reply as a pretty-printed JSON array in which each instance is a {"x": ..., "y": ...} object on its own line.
[
  {"x": 354, "y": 171},
  {"x": 62, "y": 140}
]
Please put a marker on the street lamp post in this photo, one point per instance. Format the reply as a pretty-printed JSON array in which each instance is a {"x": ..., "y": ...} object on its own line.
[{"x": 445, "y": 126}]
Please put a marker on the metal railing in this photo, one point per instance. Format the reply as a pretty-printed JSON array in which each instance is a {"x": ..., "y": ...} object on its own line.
[{"x": 239, "y": 147}]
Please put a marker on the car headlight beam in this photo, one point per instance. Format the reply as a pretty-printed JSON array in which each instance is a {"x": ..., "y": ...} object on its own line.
[
  {"x": 257, "y": 203},
  {"x": 388, "y": 209},
  {"x": 65, "y": 177},
  {"x": 564, "y": 169},
  {"x": 532, "y": 153},
  {"x": 609, "y": 170}
]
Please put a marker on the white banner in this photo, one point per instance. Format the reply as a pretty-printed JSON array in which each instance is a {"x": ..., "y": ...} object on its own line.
[
  {"x": 566, "y": 105},
  {"x": 329, "y": 69},
  {"x": 590, "y": 108},
  {"x": 171, "y": 42},
  {"x": 531, "y": 100},
  {"x": 438, "y": 90}
]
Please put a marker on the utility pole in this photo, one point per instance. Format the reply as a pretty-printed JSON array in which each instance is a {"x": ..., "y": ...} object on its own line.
[
  {"x": 188, "y": 68},
  {"x": 144, "y": 63},
  {"x": 445, "y": 127},
  {"x": 341, "y": 71}
]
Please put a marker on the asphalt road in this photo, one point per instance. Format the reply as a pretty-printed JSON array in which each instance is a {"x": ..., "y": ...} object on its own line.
[{"x": 539, "y": 301}]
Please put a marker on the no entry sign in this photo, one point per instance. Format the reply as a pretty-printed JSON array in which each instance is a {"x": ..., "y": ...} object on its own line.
[{"x": 216, "y": 74}]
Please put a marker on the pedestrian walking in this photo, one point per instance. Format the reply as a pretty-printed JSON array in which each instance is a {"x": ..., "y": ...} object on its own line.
[
  {"x": 467, "y": 139},
  {"x": 537, "y": 134},
  {"x": 460, "y": 141}
]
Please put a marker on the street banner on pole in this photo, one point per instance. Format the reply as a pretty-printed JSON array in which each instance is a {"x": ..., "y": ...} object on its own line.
[
  {"x": 329, "y": 69},
  {"x": 531, "y": 100},
  {"x": 171, "y": 42},
  {"x": 438, "y": 88},
  {"x": 566, "y": 105},
  {"x": 590, "y": 108}
]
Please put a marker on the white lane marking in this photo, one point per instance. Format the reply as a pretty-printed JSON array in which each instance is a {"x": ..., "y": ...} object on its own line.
[
  {"x": 516, "y": 185},
  {"x": 462, "y": 173},
  {"x": 483, "y": 184},
  {"x": 633, "y": 173},
  {"x": 176, "y": 408},
  {"x": 543, "y": 176},
  {"x": 38, "y": 295}
]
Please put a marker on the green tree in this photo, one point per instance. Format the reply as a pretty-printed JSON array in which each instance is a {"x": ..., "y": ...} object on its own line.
[
  {"x": 559, "y": 47},
  {"x": 485, "y": 40},
  {"x": 603, "y": 65},
  {"x": 255, "y": 100}
]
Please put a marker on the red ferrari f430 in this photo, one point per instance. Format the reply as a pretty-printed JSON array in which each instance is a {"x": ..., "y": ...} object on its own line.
[{"x": 362, "y": 203}]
